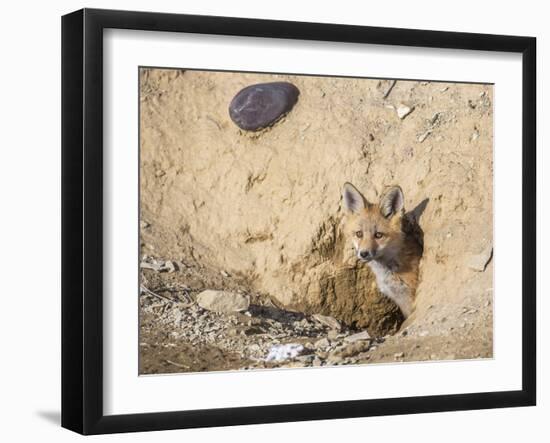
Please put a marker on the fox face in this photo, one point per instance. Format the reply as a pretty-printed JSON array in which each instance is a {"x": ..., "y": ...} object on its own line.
[{"x": 375, "y": 229}]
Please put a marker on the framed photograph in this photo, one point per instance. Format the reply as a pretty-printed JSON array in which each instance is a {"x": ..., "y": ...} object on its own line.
[{"x": 270, "y": 221}]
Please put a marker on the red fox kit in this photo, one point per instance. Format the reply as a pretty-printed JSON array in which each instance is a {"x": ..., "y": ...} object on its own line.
[{"x": 378, "y": 236}]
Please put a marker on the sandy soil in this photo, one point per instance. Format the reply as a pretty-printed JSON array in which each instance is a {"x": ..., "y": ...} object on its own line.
[{"x": 260, "y": 214}]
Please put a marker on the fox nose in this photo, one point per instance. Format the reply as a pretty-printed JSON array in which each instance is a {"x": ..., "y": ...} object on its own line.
[{"x": 365, "y": 254}]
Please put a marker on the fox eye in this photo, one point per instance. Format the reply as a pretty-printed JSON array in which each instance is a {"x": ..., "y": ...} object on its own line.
[
  {"x": 359, "y": 234},
  {"x": 378, "y": 235}
]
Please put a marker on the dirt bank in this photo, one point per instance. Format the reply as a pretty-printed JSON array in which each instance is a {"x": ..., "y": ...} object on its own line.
[{"x": 265, "y": 208}]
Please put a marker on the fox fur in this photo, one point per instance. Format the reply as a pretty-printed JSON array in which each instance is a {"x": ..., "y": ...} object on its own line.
[{"x": 379, "y": 239}]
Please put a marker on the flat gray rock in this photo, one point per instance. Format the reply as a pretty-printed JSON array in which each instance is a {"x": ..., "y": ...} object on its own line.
[
  {"x": 259, "y": 106},
  {"x": 326, "y": 320},
  {"x": 364, "y": 335},
  {"x": 222, "y": 301},
  {"x": 479, "y": 262}
]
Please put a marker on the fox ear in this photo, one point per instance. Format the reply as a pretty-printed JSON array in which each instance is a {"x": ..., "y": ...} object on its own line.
[
  {"x": 392, "y": 202},
  {"x": 353, "y": 199}
]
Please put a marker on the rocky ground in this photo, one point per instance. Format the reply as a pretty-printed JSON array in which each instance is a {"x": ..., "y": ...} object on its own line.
[{"x": 191, "y": 327}]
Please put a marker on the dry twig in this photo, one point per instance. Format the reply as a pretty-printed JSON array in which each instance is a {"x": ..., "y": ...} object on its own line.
[
  {"x": 390, "y": 87},
  {"x": 148, "y": 291},
  {"x": 177, "y": 364}
]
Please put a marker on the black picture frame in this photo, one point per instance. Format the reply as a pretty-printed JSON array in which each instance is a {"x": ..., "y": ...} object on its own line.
[{"x": 82, "y": 218}]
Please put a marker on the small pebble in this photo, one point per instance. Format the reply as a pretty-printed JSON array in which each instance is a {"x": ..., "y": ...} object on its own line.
[
  {"x": 479, "y": 262},
  {"x": 358, "y": 337},
  {"x": 170, "y": 266},
  {"x": 326, "y": 320},
  {"x": 322, "y": 344},
  {"x": 404, "y": 110}
]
